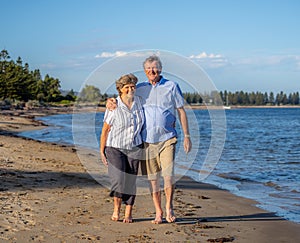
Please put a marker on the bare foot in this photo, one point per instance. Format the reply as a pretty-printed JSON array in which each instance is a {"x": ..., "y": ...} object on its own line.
[
  {"x": 170, "y": 217},
  {"x": 115, "y": 217},
  {"x": 128, "y": 214},
  {"x": 117, "y": 205},
  {"x": 127, "y": 220},
  {"x": 157, "y": 220}
]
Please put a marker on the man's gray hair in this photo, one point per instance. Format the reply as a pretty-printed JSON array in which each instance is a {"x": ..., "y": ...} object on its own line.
[{"x": 153, "y": 58}]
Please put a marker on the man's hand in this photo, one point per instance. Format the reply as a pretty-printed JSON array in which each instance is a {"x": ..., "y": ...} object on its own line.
[
  {"x": 111, "y": 104},
  {"x": 187, "y": 144}
]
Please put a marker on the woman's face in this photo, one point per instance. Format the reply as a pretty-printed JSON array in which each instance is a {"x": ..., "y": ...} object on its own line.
[{"x": 128, "y": 90}]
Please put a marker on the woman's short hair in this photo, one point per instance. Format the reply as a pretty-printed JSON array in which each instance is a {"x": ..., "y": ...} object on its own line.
[{"x": 124, "y": 80}]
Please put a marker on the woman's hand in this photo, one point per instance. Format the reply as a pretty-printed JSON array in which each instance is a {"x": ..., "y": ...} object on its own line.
[{"x": 103, "y": 159}]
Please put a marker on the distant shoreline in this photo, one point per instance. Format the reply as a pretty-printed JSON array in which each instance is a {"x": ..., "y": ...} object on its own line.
[
  {"x": 53, "y": 110},
  {"x": 208, "y": 107}
]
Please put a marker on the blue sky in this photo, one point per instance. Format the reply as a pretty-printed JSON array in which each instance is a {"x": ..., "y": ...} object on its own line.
[{"x": 249, "y": 45}]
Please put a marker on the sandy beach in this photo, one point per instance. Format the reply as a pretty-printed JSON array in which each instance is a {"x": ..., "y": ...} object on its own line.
[{"x": 46, "y": 195}]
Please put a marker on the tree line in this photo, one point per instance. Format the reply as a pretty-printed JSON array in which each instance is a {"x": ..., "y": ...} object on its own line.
[
  {"x": 19, "y": 83},
  {"x": 243, "y": 98}
]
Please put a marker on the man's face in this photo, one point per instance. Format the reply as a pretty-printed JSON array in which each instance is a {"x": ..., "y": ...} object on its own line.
[{"x": 152, "y": 71}]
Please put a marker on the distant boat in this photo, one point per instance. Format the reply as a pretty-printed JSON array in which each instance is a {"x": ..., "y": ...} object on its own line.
[{"x": 226, "y": 107}]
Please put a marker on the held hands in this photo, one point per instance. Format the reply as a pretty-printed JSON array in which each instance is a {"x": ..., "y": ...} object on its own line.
[{"x": 111, "y": 104}]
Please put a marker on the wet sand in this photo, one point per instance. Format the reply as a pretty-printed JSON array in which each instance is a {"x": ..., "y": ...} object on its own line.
[{"x": 46, "y": 195}]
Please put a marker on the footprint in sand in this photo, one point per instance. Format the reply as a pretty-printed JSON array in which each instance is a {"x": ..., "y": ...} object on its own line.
[{"x": 15, "y": 214}]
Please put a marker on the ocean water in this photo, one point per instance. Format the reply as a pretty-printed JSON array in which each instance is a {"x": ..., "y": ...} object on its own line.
[{"x": 259, "y": 159}]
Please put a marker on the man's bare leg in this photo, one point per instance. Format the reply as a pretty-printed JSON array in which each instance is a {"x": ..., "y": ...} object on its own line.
[
  {"x": 156, "y": 196},
  {"x": 169, "y": 191}
]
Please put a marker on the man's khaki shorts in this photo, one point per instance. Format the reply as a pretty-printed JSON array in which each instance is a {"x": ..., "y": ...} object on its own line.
[{"x": 160, "y": 159}]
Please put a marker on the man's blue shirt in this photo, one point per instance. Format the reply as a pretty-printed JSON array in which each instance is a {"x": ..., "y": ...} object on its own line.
[{"x": 161, "y": 101}]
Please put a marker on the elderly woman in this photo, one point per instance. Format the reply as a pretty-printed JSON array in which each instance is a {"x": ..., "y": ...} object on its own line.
[{"x": 121, "y": 144}]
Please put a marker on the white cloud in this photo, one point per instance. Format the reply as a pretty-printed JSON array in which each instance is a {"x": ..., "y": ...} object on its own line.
[
  {"x": 124, "y": 53},
  {"x": 210, "y": 60},
  {"x": 111, "y": 54},
  {"x": 205, "y": 55}
]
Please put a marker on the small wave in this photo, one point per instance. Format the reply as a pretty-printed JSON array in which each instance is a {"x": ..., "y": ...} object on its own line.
[
  {"x": 295, "y": 191},
  {"x": 272, "y": 184},
  {"x": 291, "y": 163},
  {"x": 234, "y": 177}
]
